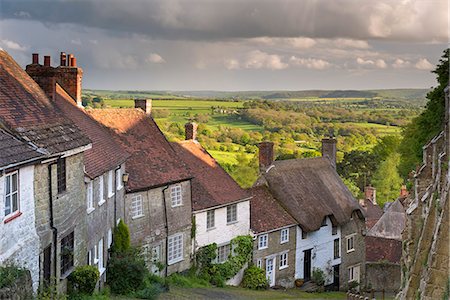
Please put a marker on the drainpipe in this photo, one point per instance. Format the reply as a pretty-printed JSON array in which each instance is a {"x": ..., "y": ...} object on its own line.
[
  {"x": 52, "y": 226},
  {"x": 115, "y": 196},
  {"x": 167, "y": 228}
]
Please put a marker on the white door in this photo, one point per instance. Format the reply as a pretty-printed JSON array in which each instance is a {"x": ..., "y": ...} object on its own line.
[
  {"x": 270, "y": 271},
  {"x": 156, "y": 254}
]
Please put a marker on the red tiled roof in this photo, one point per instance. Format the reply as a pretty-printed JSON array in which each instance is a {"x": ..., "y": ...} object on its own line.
[
  {"x": 152, "y": 162},
  {"x": 105, "y": 154},
  {"x": 266, "y": 213},
  {"x": 378, "y": 249},
  {"x": 211, "y": 186},
  {"x": 13, "y": 150},
  {"x": 26, "y": 111}
]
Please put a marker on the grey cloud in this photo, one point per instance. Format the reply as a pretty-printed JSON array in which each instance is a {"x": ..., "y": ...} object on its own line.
[{"x": 229, "y": 19}]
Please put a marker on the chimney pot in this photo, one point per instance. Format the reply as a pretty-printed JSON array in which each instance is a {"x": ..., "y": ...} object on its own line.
[
  {"x": 73, "y": 61},
  {"x": 190, "y": 130},
  {"x": 35, "y": 58},
  {"x": 47, "y": 61},
  {"x": 69, "y": 60},
  {"x": 404, "y": 191},
  {"x": 265, "y": 155},
  {"x": 63, "y": 60},
  {"x": 144, "y": 104},
  {"x": 370, "y": 194},
  {"x": 329, "y": 150}
]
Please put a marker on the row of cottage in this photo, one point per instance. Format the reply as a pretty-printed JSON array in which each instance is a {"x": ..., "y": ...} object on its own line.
[{"x": 68, "y": 175}]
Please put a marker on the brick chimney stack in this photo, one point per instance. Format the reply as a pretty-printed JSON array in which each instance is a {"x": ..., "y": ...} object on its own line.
[
  {"x": 404, "y": 192},
  {"x": 329, "y": 150},
  {"x": 190, "y": 130},
  {"x": 44, "y": 75},
  {"x": 63, "y": 59},
  {"x": 144, "y": 104},
  {"x": 370, "y": 193},
  {"x": 265, "y": 155},
  {"x": 47, "y": 61},
  {"x": 35, "y": 58}
]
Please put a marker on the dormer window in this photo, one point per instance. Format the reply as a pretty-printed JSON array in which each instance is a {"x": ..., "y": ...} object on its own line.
[{"x": 324, "y": 222}]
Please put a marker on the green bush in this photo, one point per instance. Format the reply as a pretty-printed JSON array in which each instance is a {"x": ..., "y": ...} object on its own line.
[
  {"x": 121, "y": 238},
  {"x": 83, "y": 280},
  {"x": 9, "y": 275},
  {"x": 126, "y": 272},
  {"x": 255, "y": 278},
  {"x": 318, "y": 277}
]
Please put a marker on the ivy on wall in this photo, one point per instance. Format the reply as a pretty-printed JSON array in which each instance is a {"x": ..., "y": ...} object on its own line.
[{"x": 217, "y": 274}]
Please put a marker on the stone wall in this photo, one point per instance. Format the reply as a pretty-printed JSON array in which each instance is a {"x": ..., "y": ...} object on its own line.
[{"x": 383, "y": 275}]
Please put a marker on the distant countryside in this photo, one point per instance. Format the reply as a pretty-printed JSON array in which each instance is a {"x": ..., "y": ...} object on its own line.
[{"x": 232, "y": 123}]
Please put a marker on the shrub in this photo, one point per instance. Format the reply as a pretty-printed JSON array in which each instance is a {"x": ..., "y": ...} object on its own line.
[
  {"x": 255, "y": 278},
  {"x": 9, "y": 275},
  {"x": 121, "y": 238},
  {"x": 84, "y": 279},
  {"x": 318, "y": 277},
  {"x": 353, "y": 285},
  {"x": 126, "y": 272}
]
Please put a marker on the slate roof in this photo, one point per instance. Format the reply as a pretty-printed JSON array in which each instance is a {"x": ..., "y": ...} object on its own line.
[
  {"x": 106, "y": 153},
  {"x": 373, "y": 213},
  {"x": 391, "y": 224},
  {"x": 266, "y": 213},
  {"x": 310, "y": 189},
  {"x": 211, "y": 186},
  {"x": 26, "y": 111},
  {"x": 14, "y": 151},
  {"x": 152, "y": 162}
]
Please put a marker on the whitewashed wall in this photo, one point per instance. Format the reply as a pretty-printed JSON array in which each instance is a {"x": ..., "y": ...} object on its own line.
[
  {"x": 322, "y": 254},
  {"x": 222, "y": 233},
  {"x": 19, "y": 242}
]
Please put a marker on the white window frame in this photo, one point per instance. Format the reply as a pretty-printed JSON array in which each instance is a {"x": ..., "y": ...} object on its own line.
[
  {"x": 284, "y": 235},
  {"x": 95, "y": 254},
  {"x": 350, "y": 239},
  {"x": 137, "y": 207},
  {"x": 176, "y": 197},
  {"x": 259, "y": 263},
  {"x": 101, "y": 267},
  {"x": 90, "y": 197},
  {"x": 232, "y": 216},
  {"x": 263, "y": 241},
  {"x": 284, "y": 260},
  {"x": 210, "y": 219},
  {"x": 178, "y": 256},
  {"x": 11, "y": 194},
  {"x": 226, "y": 251},
  {"x": 101, "y": 191},
  {"x": 119, "y": 184},
  {"x": 110, "y": 238},
  {"x": 353, "y": 271},
  {"x": 110, "y": 184}
]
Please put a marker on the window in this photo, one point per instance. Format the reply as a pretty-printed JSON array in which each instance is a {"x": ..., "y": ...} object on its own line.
[
  {"x": 284, "y": 235},
  {"x": 336, "y": 249},
  {"x": 136, "y": 206},
  {"x": 95, "y": 255},
  {"x": 283, "y": 260},
  {"x": 353, "y": 273},
  {"x": 210, "y": 216},
  {"x": 101, "y": 189},
  {"x": 175, "y": 248},
  {"x": 119, "y": 185},
  {"x": 223, "y": 252},
  {"x": 350, "y": 243},
  {"x": 67, "y": 249},
  {"x": 100, "y": 256},
  {"x": 231, "y": 213},
  {"x": 61, "y": 175},
  {"x": 262, "y": 241},
  {"x": 175, "y": 196},
  {"x": 259, "y": 263},
  {"x": 12, "y": 193},
  {"x": 304, "y": 235},
  {"x": 334, "y": 230},
  {"x": 89, "y": 197},
  {"x": 110, "y": 184},
  {"x": 324, "y": 222}
]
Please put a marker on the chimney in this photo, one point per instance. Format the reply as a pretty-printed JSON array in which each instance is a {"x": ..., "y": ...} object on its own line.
[
  {"x": 190, "y": 130},
  {"x": 63, "y": 59},
  {"x": 35, "y": 58},
  {"x": 329, "y": 150},
  {"x": 69, "y": 60},
  {"x": 47, "y": 61},
  {"x": 73, "y": 61},
  {"x": 370, "y": 193},
  {"x": 144, "y": 104},
  {"x": 404, "y": 192},
  {"x": 265, "y": 155}
]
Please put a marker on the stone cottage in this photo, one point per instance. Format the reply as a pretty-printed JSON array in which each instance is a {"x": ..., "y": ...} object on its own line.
[
  {"x": 104, "y": 169},
  {"x": 28, "y": 112},
  {"x": 329, "y": 235},
  {"x": 158, "y": 191},
  {"x": 274, "y": 228},
  {"x": 220, "y": 207}
]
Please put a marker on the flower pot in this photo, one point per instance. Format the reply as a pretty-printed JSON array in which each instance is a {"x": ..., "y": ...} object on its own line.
[{"x": 299, "y": 282}]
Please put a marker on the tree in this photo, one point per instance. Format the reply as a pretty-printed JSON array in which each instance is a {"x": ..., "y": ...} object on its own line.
[
  {"x": 428, "y": 124},
  {"x": 387, "y": 180},
  {"x": 358, "y": 166}
]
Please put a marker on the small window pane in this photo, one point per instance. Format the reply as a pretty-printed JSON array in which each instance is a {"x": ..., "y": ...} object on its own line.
[{"x": 8, "y": 184}]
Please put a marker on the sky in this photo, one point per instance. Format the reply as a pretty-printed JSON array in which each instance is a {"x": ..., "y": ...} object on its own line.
[{"x": 234, "y": 45}]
